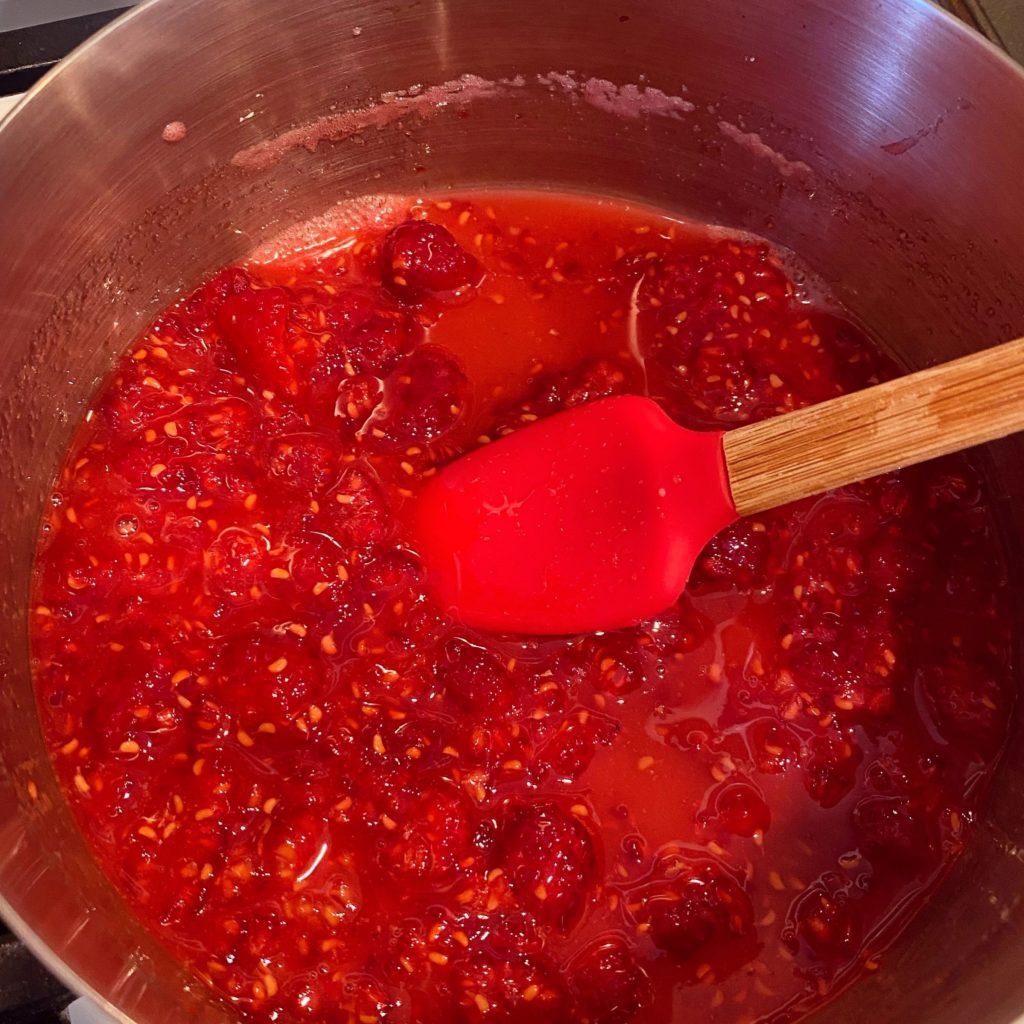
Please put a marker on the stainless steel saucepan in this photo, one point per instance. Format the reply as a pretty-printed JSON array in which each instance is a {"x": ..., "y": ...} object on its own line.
[{"x": 881, "y": 141}]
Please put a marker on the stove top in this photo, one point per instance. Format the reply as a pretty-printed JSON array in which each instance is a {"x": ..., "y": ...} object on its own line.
[{"x": 34, "y": 36}]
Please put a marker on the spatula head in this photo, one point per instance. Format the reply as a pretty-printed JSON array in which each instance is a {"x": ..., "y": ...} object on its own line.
[{"x": 588, "y": 520}]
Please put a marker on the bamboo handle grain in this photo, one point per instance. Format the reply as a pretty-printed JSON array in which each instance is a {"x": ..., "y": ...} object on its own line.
[{"x": 945, "y": 409}]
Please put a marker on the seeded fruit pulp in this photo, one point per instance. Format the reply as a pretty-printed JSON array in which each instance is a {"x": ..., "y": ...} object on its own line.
[{"x": 335, "y": 804}]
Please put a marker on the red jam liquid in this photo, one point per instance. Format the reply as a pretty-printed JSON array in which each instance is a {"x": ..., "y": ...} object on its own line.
[{"x": 336, "y": 805}]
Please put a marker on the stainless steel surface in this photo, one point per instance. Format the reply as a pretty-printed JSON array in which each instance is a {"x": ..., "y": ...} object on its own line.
[{"x": 912, "y": 212}]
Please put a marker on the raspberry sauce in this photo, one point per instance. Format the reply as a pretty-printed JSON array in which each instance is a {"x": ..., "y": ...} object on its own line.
[{"x": 334, "y": 804}]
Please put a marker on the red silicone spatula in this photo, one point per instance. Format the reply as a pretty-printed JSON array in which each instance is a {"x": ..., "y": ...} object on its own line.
[{"x": 592, "y": 519}]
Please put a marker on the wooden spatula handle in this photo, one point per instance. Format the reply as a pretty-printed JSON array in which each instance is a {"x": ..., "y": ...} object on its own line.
[{"x": 944, "y": 409}]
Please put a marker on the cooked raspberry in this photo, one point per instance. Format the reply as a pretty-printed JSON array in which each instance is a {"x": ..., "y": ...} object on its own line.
[
  {"x": 422, "y": 260},
  {"x": 773, "y": 746},
  {"x": 307, "y": 463},
  {"x": 524, "y": 992},
  {"x": 506, "y": 935},
  {"x": 892, "y": 830},
  {"x": 678, "y": 630},
  {"x": 381, "y": 340},
  {"x": 826, "y": 922},
  {"x": 718, "y": 328},
  {"x": 254, "y": 325},
  {"x": 393, "y": 572},
  {"x": 550, "y": 861},
  {"x": 474, "y": 678},
  {"x": 615, "y": 664},
  {"x": 568, "y": 751},
  {"x": 554, "y": 392},
  {"x": 735, "y": 807},
  {"x": 424, "y": 399},
  {"x": 610, "y": 986},
  {"x": 236, "y": 565},
  {"x": 356, "y": 510},
  {"x": 355, "y": 400},
  {"x": 435, "y": 837},
  {"x": 265, "y": 675},
  {"x": 701, "y": 916},
  {"x": 738, "y": 555},
  {"x": 830, "y": 768},
  {"x": 318, "y": 568},
  {"x": 898, "y": 562},
  {"x": 966, "y": 699},
  {"x": 222, "y": 424}
]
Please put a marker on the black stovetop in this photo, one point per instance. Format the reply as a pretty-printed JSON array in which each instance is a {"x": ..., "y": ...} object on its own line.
[
  {"x": 34, "y": 36},
  {"x": 28, "y": 995},
  {"x": 31, "y": 44}
]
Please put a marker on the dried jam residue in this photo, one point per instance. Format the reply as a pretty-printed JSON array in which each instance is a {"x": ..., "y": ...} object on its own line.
[{"x": 337, "y": 805}]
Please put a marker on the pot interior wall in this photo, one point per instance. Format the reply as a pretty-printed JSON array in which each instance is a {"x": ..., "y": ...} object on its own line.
[{"x": 908, "y": 210}]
